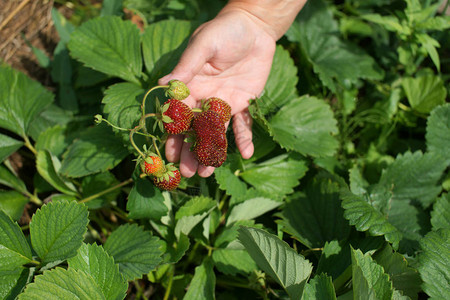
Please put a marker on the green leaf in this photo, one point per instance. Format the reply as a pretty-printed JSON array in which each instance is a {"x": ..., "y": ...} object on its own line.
[
  {"x": 390, "y": 23},
  {"x": 430, "y": 45},
  {"x": 14, "y": 249},
  {"x": 306, "y": 125},
  {"x": 9, "y": 179},
  {"x": 12, "y": 282},
  {"x": 320, "y": 287},
  {"x": 424, "y": 93},
  {"x": 54, "y": 139},
  {"x": 196, "y": 205},
  {"x": 51, "y": 116},
  {"x": 136, "y": 251},
  {"x": 21, "y": 100},
  {"x": 161, "y": 58},
  {"x": 280, "y": 87},
  {"x": 12, "y": 203},
  {"x": 64, "y": 27},
  {"x": 203, "y": 283},
  {"x": 251, "y": 209},
  {"x": 434, "y": 265},
  {"x": 277, "y": 259},
  {"x": 63, "y": 284},
  {"x": 47, "y": 166},
  {"x": 109, "y": 45},
  {"x": 414, "y": 176},
  {"x": 332, "y": 59},
  {"x": 411, "y": 221},
  {"x": 97, "y": 150},
  {"x": 233, "y": 261},
  {"x": 176, "y": 250},
  {"x": 369, "y": 279},
  {"x": 366, "y": 218},
  {"x": 146, "y": 201},
  {"x": 57, "y": 230},
  {"x": 435, "y": 23},
  {"x": 230, "y": 233},
  {"x": 404, "y": 278},
  {"x": 227, "y": 179},
  {"x": 121, "y": 105},
  {"x": 440, "y": 215},
  {"x": 316, "y": 216},
  {"x": 336, "y": 259},
  {"x": 93, "y": 260},
  {"x": 192, "y": 213},
  {"x": 276, "y": 176},
  {"x": 438, "y": 131},
  {"x": 112, "y": 8},
  {"x": 8, "y": 146}
]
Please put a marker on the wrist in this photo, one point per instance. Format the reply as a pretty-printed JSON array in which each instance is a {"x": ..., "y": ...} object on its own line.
[{"x": 273, "y": 16}]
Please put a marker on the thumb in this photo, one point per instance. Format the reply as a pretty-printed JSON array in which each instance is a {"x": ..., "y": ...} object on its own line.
[{"x": 197, "y": 53}]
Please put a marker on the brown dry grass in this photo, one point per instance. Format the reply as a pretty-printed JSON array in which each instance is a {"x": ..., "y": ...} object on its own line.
[{"x": 29, "y": 19}]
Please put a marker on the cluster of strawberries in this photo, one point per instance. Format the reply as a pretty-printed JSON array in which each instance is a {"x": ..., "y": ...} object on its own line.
[{"x": 207, "y": 129}]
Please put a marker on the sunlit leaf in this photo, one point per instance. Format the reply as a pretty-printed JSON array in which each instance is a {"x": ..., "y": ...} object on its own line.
[
  {"x": 93, "y": 260},
  {"x": 277, "y": 259},
  {"x": 434, "y": 265},
  {"x": 57, "y": 230},
  {"x": 63, "y": 284},
  {"x": 109, "y": 45},
  {"x": 306, "y": 125},
  {"x": 21, "y": 100}
]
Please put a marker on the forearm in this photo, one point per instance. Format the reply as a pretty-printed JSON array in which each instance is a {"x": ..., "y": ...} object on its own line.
[{"x": 275, "y": 16}]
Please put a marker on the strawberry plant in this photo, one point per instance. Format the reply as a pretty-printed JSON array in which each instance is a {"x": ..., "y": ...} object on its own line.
[{"x": 345, "y": 197}]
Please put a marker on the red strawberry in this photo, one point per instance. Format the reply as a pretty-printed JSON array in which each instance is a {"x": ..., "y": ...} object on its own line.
[
  {"x": 169, "y": 180},
  {"x": 153, "y": 165},
  {"x": 210, "y": 146},
  {"x": 176, "y": 116},
  {"x": 219, "y": 106}
]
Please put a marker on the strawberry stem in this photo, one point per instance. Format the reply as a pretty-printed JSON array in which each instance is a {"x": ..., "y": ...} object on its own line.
[
  {"x": 156, "y": 147},
  {"x": 114, "y": 126},
  {"x": 149, "y": 115},
  {"x": 148, "y": 92},
  {"x": 199, "y": 110},
  {"x": 133, "y": 131},
  {"x": 92, "y": 197}
]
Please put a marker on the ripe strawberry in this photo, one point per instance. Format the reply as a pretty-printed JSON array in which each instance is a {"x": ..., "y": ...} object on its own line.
[
  {"x": 219, "y": 106},
  {"x": 176, "y": 116},
  {"x": 210, "y": 146},
  {"x": 169, "y": 180},
  {"x": 153, "y": 165}
]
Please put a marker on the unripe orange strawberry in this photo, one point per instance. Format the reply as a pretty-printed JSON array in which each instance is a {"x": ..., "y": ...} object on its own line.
[
  {"x": 219, "y": 106},
  {"x": 210, "y": 146},
  {"x": 169, "y": 180},
  {"x": 176, "y": 116},
  {"x": 153, "y": 165}
]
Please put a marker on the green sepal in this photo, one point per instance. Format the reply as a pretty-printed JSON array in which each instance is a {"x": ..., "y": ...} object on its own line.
[
  {"x": 165, "y": 107},
  {"x": 167, "y": 119}
]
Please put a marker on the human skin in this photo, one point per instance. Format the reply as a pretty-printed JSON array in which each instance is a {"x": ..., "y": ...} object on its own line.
[{"x": 230, "y": 57}]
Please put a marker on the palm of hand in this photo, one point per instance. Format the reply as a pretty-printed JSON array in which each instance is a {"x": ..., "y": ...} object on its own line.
[{"x": 234, "y": 57}]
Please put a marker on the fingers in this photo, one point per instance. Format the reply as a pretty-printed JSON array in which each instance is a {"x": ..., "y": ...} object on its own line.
[
  {"x": 188, "y": 162},
  {"x": 242, "y": 128},
  {"x": 173, "y": 147},
  {"x": 197, "y": 53}
]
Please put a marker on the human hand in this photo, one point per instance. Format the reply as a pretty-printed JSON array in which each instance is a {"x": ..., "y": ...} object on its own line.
[{"x": 230, "y": 58}]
